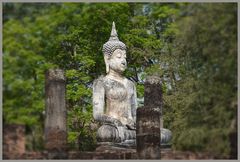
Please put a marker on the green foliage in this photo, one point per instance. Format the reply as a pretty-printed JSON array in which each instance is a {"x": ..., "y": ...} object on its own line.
[
  {"x": 206, "y": 94},
  {"x": 82, "y": 129},
  {"x": 23, "y": 73}
]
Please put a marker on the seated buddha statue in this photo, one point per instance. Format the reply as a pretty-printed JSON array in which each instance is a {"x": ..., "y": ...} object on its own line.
[{"x": 114, "y": 96}]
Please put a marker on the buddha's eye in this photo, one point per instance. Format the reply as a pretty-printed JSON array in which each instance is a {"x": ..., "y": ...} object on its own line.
[{"x": 119, "y": 55}]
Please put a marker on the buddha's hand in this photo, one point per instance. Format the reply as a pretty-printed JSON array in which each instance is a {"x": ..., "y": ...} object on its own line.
[
  {"x": 131, "y": 124},
  {"x": 117, "y": 122}
]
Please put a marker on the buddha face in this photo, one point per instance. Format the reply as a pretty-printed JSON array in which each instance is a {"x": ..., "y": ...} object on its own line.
[{"x": 117, "y": 61}]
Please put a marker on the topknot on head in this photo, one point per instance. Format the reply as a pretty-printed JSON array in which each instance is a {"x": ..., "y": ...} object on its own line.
[{"x": 113, "y": 43}]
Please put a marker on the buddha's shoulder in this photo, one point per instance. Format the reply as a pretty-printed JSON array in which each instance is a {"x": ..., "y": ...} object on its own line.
[
  {"x": 99, "y": 80},
  {"x": 130, "y": 82}
]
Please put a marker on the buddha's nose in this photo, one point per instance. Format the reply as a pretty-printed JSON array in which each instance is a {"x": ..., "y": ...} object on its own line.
[{"x": 124, "y": 63}]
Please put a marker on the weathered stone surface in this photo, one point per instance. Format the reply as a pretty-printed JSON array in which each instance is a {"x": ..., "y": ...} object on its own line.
[
  {"x": 148, "y": 133},
  {"x": 13, "y": 139},
  {"x": 114, "y": 96},
  {"x": 56, "y": 140},
  {"x": 56, "y": 115},
  {"x": 166, "y": 154},
  {"x": 113, "y": 152},
  {"x": 153, "y": 92},
  {"x": 153, "y": 100}
]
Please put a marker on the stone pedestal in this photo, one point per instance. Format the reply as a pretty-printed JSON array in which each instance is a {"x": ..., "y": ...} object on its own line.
[{"x": 56, "y": 114}]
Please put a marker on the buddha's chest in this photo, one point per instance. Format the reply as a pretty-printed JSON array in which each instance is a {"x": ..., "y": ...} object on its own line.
[{"x": 118, "y": 91}]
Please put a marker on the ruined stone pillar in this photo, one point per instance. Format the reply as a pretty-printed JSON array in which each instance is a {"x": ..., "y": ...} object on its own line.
[
  {"x": 148, "y": 121},
  {"x": 56, "y": 114},
  {"x": 153, "y": 94}
]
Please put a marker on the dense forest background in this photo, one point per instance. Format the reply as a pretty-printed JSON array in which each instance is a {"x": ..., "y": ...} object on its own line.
[{"x": 191, "y": 46}]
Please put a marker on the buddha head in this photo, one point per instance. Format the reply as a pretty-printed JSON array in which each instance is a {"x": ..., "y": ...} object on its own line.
[{"x": 114, "y": 53}]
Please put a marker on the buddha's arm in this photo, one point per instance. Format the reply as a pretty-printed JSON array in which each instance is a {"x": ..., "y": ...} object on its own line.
[
  {"x": 99, "y": 104},
  {"x": 132, "y": 118},
  {"x": 134, "y": 103}
]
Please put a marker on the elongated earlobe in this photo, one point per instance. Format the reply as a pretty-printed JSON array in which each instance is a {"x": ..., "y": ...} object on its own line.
[{"x": 106, "y": 59}]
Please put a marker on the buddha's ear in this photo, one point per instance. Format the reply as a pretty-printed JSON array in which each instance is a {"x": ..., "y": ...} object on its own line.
[{"x": 106, "y": 59}]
